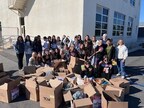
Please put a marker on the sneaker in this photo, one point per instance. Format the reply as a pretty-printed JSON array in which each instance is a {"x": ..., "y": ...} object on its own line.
[
  {"x": 128, "y": 78},
  {"x": 118, "y": 74},
  {"x": 123, "y": 77}
]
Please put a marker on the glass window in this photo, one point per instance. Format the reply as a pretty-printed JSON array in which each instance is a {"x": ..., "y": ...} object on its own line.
[
  {"x": 101, "y": 20},
  {"x": 129, "y": 27},
  {"x": 132, "y": 2},
  {"x": 118, "y": 24}
]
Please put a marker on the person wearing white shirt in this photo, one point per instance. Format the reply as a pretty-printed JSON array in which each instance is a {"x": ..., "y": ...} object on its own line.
[{"x": 122, "y": 54}]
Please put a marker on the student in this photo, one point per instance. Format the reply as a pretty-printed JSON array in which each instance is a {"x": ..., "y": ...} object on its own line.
[
  {"x": 104, "y": 38},
  {"x": 87, "y": 71},
  {"x": 122, "y": 54},
  {"x": 39, "y": 59},
  {"x": 28, "y": 48},
  {"x": 94, "y": 42},
  {"x": 73, "y": 51},
  {"x": 57, "y": 54},
  {"x": 110, "y": 50},
  {"x": 37, "y": 47},
  {"x": 33, "y": 60},
  {"x": 67, "y": 40},
  {"x": 105, "y": 69},
  {"x": 58, "y": 41},
  {"x": 46, "y": 58},
  {"x": 19, "y": 48},
  {"x": 53, "y": 43},
  {"x": 46, "y": 45},
  {"x": 88, "y": 45},
  {"x": 81, "y": 51},
  {"x": 98, "y": 54}
]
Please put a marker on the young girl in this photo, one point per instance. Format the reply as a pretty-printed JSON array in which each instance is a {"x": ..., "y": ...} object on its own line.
[
  {"x": 28, "y": 48},
  {"x": 105, "y": 68},
  {"x": 19, "y": 48}
]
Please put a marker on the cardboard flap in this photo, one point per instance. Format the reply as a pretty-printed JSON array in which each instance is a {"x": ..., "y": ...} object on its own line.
[
  {"x": 67, "y": 96},
  {"x": 99, "y": 89},
  {"x": 29, "y": 69},
  {"x": 118, "y": 105},
  {"x": 31, "y": 82},
  {"x": 110, "y": 96},
  {"x": 89, "y": 90},
  {"x": 82, "y": 102},
  {"x": 46, "y": 69},
  {"x": 72, "y": 61},
  {"x": 55, "y": 83},
  {"x": 117, "y": 90},
  {"x": 3, "y": 79},
  {"x": 50, "y": 76}
]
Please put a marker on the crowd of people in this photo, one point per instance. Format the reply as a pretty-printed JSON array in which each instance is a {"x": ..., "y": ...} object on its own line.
[{"x": 100, "y": 55}]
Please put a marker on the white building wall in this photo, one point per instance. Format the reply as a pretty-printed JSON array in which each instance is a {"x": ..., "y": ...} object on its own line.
[
  {"x": 55, "y": 17},
  {"x": 9, "y": 20},
  {"x": 121, "y": 6}
]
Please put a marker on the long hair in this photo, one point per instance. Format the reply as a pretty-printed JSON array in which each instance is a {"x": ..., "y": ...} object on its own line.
[
  {"x": 26, "y": 40},
  {"x": 21, "y": 38}
]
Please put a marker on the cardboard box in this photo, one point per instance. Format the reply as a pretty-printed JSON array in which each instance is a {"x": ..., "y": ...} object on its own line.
[
  {"x": 119, "y": 82},
  {"x": 118, "y": 91},
  {"x": 59, "y": 64},
  {"x": 80, "y": 103},
  {"x": 51, "y": 94},
  {"x": 102, "y": 82},
  {"x": 1, "y": 67},
  {"x": 9, "y": 89},
  {"x": 109, "y": 100},
  {"x": 2, "y": 74},
  {"x": 29, "y": 69},
  {"x": 32, "y": 89}
]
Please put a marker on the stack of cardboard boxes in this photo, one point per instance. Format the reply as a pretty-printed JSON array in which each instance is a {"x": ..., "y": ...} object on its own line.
[{"x": 53, "y": 91}]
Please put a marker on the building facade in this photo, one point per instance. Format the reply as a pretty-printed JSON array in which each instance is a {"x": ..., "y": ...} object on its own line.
[{"x": 117, "y": 18}]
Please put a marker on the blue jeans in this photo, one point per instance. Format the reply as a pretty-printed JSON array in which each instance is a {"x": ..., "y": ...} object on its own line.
[
  {"x": 121, "y": 67},
  {"x": 28, "y": 56}
]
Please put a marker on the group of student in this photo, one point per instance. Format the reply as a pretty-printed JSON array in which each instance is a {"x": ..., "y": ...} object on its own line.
[{"x": 100, "y": 55}]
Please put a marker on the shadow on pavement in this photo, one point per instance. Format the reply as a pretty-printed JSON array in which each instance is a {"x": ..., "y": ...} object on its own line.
[
  {"x": 135, "y": 70},
  {"x": 134, "y": 90},
  {"x": 137, "y": 53},
  {"x": 133, "y": 102}
]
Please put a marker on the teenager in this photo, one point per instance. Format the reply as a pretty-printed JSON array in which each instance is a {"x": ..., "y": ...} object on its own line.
[
  {"x": 28, "y": 48},
  {"x": 122, "y": 54},
  {"x": 19, "y": 48}
]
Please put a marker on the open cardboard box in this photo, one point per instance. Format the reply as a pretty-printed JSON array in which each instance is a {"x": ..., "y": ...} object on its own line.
[
  {"x": 32, "y": 89},
  {"x": 119, "y": 82},
  {"x": 102, "y": 82},
  {"x": 51, "y": 93},
  {"x": 110, "y": 100},
  {"x": 9, "y": 89},
  {"x": 118, "y": 91},
  {"x": 80, "y": 103}
]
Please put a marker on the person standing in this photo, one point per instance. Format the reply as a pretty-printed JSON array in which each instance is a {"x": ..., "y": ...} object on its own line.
[
  {"x": 37, "y": 46},
  {"x": 19, "y": 48},
  {"x": 110, "y": 50},
  {"x": 28, "y": 48},
  {"x": 122, "y": 54}
]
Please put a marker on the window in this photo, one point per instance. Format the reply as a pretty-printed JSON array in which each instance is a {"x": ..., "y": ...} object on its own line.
[
  {"x": 132, "y": 2},
  {"x": 118, "y": 24},
  {"x": 101, "y": 20},
  {"x": 130, "y": 25}
]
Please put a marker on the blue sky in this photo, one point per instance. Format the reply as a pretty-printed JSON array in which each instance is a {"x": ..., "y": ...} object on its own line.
[{"x": 142, "y": 11}]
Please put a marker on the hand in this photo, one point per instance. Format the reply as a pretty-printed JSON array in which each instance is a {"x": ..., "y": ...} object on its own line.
[{"x": 123, "y": 60}]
